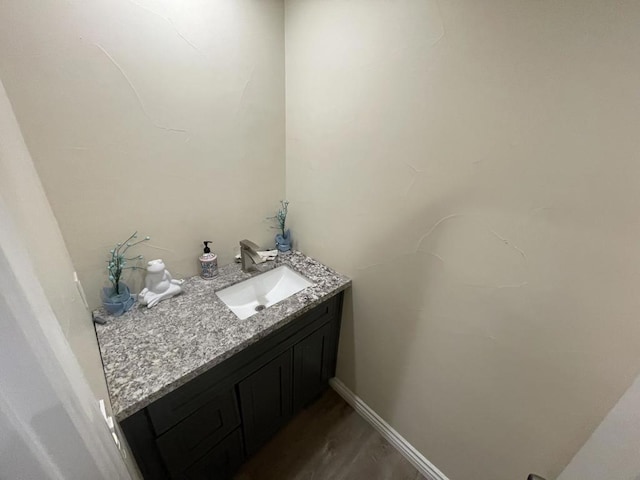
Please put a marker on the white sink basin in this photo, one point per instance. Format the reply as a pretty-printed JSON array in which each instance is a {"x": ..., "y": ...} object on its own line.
[{"x": 255, "y": 294}]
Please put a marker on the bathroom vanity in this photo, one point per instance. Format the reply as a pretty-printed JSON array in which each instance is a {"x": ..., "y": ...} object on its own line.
[{"x": 196, "y": 390}]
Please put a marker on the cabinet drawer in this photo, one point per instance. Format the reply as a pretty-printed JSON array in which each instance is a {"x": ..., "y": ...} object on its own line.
[
  {"x": 220, "y": 463},
  {"x": 199, "y": 432},
  {"x": 181, "y": 403},
  {"x": 325, "y": 311}
]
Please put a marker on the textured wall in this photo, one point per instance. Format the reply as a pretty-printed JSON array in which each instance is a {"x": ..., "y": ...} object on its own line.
[
  {"x": 161, "y": 116},
  {"x": 473, "y": 166},
  {"x": 34, "y": 223}
]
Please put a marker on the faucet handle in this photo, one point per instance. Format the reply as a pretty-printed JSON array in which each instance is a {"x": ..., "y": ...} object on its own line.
[{"x": 249, "y": 245}]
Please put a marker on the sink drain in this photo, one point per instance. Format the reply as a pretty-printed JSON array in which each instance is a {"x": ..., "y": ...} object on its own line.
[{"x": 259, "y": 308}]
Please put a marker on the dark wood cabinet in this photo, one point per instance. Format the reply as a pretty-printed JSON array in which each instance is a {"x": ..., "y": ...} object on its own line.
[
  {"x": 196, "y": 435},
  {"x": 207, "y": 427},
  {"x": 312, "y": 366},
  {"x": 220, "y": 463},
  {"x": 266, "y": 401}
]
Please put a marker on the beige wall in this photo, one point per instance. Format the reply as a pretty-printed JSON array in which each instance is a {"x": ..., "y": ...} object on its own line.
[
  {"x": 24, "y": 196},
  {"x": 470, "y": 164},
  {"x": 474, "y": 167},
  {"x": 32, "y": 218},
  {"x": 157, "y": 116},
  {"x": 22, "y": 192}
]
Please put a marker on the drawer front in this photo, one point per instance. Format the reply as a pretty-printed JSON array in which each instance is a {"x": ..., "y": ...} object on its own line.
[
  {"x": 199, "y": 432},
  {"x": 174, "y": 407},
  {"x": 220, "y": 463}
]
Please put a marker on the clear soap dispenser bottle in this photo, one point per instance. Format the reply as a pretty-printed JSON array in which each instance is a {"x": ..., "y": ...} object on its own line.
[{"x": 208, "y": 262}]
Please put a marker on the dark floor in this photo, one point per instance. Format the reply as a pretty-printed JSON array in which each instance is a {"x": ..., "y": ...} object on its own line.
[{"x": 328, "y": 441}]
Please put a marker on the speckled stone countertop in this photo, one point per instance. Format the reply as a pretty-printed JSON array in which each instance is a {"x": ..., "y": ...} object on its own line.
[{"x": 147, "y": 353}]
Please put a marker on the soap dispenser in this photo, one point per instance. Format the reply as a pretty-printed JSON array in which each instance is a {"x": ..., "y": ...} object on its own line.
[{"x": 208, "y": 262}]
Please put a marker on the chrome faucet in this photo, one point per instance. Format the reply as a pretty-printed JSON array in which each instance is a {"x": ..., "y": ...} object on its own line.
[{"x": 249, "y": 249}]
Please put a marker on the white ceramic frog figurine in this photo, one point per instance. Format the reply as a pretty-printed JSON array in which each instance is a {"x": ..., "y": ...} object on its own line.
[{"x": 158, "y": 284}]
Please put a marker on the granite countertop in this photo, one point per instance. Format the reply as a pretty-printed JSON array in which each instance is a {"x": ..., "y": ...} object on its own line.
[{"x": 147, "y": 353}]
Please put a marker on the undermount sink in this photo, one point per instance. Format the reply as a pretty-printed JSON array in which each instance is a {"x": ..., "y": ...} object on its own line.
[{"x": 260, "y": 292}]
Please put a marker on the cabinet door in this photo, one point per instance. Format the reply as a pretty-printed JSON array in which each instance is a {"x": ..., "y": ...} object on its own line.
[
  {"x": 312, "y": 366},
  {"x": 265, "y": 401}
]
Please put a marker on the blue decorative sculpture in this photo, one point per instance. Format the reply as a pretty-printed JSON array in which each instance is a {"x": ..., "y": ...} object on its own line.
[
  {"x": 117, "y": 298},
  {"x": 283, "y": 239},
  {"x": 117, "y": 303},
  {"x": 283, "y": 242}
]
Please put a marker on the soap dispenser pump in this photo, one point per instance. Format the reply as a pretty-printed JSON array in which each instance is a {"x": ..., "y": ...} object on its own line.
[{"x": 208, "y": 262}]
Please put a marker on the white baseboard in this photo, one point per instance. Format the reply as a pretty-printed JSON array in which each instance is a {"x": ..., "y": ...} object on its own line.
[{"x": 424, "y": 466}]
